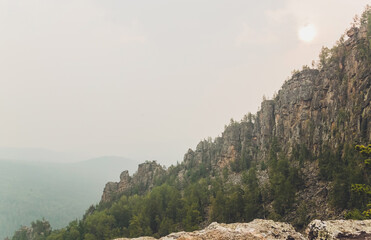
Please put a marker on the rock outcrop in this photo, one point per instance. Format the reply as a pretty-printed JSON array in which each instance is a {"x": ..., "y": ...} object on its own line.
[
  {"x": 143, "y": 180},
  {"x": 257, "y": 229},
  {"x": 339, "y": 229},
  {"x": 268, "y": 229}
]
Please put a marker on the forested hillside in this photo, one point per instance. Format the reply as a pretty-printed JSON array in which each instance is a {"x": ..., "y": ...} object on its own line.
[{"x": 294, "y": 160}]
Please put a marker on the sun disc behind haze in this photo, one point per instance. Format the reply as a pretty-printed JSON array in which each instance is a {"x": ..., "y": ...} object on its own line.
[{"x": 307, "y": 33}]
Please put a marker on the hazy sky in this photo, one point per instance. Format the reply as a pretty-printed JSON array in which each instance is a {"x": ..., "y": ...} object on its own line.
[{"x": 148, "y": 79}]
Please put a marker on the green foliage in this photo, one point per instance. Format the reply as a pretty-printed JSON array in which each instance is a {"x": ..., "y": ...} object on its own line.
[
  {"x": 302, "y": 219},
  {"x": 274, "y": 149},
  {"x": 253, "y": 196},
  {"x": 301, "y": 153},
  {"x": 328, "y": 163},
  {"x": 139, "y": 226},
  {"x": 39, "y": 230},
  {"x": 100, "y": 224},
  {"x": 243, "y": 162},
  {"x": 263, "y": 166},
  {"x": 340, "y": 193},
  {"x": 324, "y": 57},
  {"x": 334, "y": 57},
  {"x": 284, "y": 180},
  {"x": 365, "y": 21},
  {"x": 354, "y": 214},
  {"x": 21, "y": 234},
  {"x": 363, "y": 190},
  {"x": 232, "y": 203},
  {"x": 342, "y": 117},
  {"x": 59, "y": 235},
  {"x": 342, "y": 167},
  {"x": 157, "y": 213}
]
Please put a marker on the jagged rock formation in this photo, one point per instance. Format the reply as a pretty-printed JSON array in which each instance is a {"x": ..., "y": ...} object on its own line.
[
  {"x": 268, "y": 229},
  {"x": 143, "y": 179},
  {"x": 339, "y": 229},
  {"x": 257, "y": 229}
]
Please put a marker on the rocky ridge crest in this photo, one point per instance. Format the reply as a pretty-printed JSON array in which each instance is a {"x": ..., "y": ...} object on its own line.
[{"x": 316, "y": 109}]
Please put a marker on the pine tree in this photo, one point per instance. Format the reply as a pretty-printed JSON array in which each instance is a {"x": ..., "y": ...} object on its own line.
[{"x": 365, "y": 189}]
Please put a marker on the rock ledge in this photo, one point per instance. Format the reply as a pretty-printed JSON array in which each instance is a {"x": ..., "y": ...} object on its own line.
[
  {"x": 268, "y": 229},
  {"x": 339, "y": 229}
]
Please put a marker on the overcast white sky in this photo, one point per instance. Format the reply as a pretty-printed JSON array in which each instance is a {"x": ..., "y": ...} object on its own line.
[{"x": 148, "y": 79}]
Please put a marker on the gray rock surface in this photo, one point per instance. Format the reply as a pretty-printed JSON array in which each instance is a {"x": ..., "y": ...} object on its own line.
[
  {"x": 268, "y": 229},
  {"x": 144, "y": 178},
  {"x": 257, "y": 229},
  {"x": 339, "y": 229}
]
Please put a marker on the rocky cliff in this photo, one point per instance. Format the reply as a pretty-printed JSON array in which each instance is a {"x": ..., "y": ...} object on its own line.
[
  {"x": 292, "y": 161},
  {"x": 314, "y": 110},
  {"x": 330, "y": 106}
]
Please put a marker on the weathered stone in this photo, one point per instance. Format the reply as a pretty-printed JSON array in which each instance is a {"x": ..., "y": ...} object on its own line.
[
  {"x": 144, "y": 177},
  {"x": 257, "y": 229},
  {"x": 109, "y": 190},
  {"x": 125, "y": 181},
  {"x": 351, "y": 32},
  {"x": 268, "y": 229},
  {"x": 339, "y": 229},
  {"x": 140, "y": 238}
]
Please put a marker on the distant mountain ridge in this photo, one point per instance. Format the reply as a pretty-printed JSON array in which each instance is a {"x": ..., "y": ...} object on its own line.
[{"x": 38, "y": 154}]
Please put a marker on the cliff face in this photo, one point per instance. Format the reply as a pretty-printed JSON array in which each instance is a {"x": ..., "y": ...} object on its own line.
[
  {"x": 314, "y": 110},
  {"x": 331, "y": 106}
]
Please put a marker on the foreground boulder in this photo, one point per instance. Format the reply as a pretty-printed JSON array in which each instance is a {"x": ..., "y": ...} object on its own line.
[
  {"x": 257, "y": 229},
  {"x": 268, "y": 229},
  {"x": 339, "y": 229}
]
